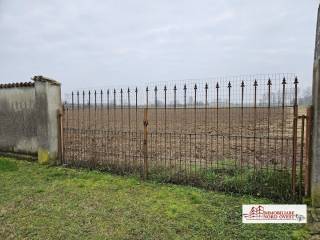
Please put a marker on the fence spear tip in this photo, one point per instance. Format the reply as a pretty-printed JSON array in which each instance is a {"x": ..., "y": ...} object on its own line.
[
  {"x": 269, "y": 82},
  {"x": 284, "y": 81}
]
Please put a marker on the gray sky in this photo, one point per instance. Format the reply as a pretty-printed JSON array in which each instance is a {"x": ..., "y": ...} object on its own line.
[{"x": 110, "y": 42}]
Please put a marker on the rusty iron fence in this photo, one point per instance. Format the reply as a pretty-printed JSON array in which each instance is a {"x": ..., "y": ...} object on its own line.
[{"x": 241, "y": 134}]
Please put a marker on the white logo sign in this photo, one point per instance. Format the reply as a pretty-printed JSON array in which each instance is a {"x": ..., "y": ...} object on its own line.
[{"x": 271, "y": 213}]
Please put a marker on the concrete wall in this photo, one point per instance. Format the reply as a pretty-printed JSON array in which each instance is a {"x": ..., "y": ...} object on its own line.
[
  {"x": 315, "y": 173},
  {"x": 28, "y": 118},
  {"x": 315, "y": 169},
  {"x": 48, "y": 103},
  {"x": 18, "y": 129}
]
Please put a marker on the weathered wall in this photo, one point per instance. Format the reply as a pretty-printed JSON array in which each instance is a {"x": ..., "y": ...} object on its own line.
[
  {"x": 18, "y": 129},
  {"x": 48, "y": 102},
  {"x": 315, "y": 173},
  {"x": 29, "y": 118}
]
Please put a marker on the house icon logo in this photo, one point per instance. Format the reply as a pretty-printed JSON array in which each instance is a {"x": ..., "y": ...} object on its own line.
[{"x": 255, "y": 213}]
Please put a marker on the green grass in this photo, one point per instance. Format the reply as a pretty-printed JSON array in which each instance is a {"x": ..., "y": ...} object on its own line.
[
  {"x": 42, "y": 202},
  {"x": 268, "y": 183}
]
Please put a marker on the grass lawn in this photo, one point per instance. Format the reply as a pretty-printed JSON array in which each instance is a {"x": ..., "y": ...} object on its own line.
[{"x": 42, "y": 202}]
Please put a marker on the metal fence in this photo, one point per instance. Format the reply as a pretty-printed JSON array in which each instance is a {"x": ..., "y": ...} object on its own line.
[{"x": 242, "y": 134}]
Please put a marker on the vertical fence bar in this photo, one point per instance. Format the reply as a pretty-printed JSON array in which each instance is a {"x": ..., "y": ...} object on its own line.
[
  {"x": 66, "y": 150},
  {"x": 156, "y": 107},
  {"x": 89, "y": 109},
  {"x": 72, "y": 128},
  {"x": 195, "y": 128},
  {"x": 229, "y": 119},
  {"x": 114, "y": 132},
  {"x": 255, "y": 123},
  {"x": 109, "y": 148},
  {"x": 101, "y": 109},
  {"x": 175, "y": 121},
  {"x": 147, "y": 97},
  {"x": 136, "y": 126},
  {"x": 89, "y": 130},
  {"x": 136, "y": 107},
  {"x": 217, "y": 124},
  {"x": 165, "y": 126},
  {"x": 268, "y": 123},
  {"x": 129, "y": 108},
  {"x": 102, "y": 138},
  {"x": 95, "y": 110},
  {"x": 206, "y": 123},
  {"x": 145, "y": 144},
  {"x": 195, "y": 108},
  {"x": 114, "y": 109},
  {"x": 185, "y": 124},
  {"x": 94, "y": 137},
  {"x": 295, "y": 126},
  {"x": 84, "y": 127},
  {"x": 129, "y": 129},
  {"x": 121, "y": 108},
  {"x": 303, "y": 118},
  {"x": 108, "y": 110},
  {"x": 78, "y": 124},
  {"x": 283, "y": 120},
  {"x": 241, "y": 130},
  {"x": 122, "y": 130},
  {"x": 174, "y": 106}
]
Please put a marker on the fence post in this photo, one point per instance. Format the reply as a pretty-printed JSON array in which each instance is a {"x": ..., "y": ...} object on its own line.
[
  {"x": 294, "y": 139},
  {"x": 60, "y": 134},
  {"x": 308, "y": 151},
  {"x": 145, "y": 144}
]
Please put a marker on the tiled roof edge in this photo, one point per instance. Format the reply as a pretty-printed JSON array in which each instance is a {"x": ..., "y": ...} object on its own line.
[{"x": 17, "y": 85}]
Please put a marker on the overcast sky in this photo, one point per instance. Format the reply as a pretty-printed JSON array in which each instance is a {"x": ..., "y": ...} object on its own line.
[{"x": 107, "y": 42}]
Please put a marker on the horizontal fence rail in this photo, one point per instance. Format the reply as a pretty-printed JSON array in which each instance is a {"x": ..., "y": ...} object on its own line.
[{"x": 242, "y": 136}]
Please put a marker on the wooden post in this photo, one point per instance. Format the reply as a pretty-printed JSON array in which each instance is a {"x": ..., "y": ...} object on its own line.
[
  {"x": 60, "y": 134},
  {"x": 145, "y": 144},
  {"x": 308, "y": 151}
]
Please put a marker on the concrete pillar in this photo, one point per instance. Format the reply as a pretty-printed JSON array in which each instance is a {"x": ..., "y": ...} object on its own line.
[
  {"x": 315, "y": 172},
  {"x": 48, "y": 103}
]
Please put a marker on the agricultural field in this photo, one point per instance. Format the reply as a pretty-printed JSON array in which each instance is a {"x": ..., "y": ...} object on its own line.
[{"x": 42, "y": 202}]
